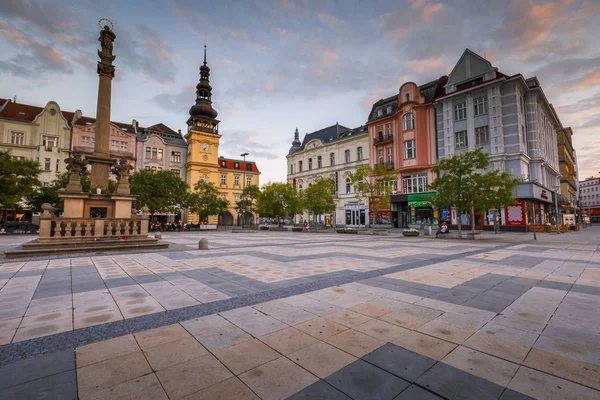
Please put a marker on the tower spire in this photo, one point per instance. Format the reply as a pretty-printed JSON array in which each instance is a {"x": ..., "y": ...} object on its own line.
[
  {"x": 204, "y": 51},
  {"x": 203, "y": 108}
]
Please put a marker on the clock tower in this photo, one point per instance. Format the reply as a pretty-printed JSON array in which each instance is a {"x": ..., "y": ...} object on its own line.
[{"x": 202, "y": 137}]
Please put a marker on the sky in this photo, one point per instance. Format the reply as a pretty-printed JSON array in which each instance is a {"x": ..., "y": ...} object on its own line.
[{"x": 281, "y": 64}]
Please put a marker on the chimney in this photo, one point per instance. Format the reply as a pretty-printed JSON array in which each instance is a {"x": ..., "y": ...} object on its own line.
[
  {"x": 179, "y": 131},
  {"x": 135, "y": 123}
]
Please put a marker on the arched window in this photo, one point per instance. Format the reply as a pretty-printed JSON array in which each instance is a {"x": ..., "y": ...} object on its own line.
[
  {"x": 300, "y": 187},
  {"x": 309, "y": 164},
  {"x": 407, "y": 97},
  {"x": 319, "y": 162},
  {"x": 348, "y": 185},
  {"x": 204, "y": 178},
  {"x": 409, "y": 121}
]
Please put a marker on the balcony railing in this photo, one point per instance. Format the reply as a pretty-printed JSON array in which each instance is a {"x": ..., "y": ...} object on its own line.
[
  {"x": 383, "y": 139},
  {"x": 388, "y": 165}
]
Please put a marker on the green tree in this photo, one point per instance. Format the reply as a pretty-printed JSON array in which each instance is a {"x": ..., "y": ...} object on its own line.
[
  {"x": 206, "y": 200},
  {"x": 277, "y": 200},
  {"x": 49, "y": 193},
  {"x": 464, "y": 182},
  {"x": 160, "y": 191},
  {"x": 374, "y": 185},
  {"x": 318, "y": 197},
  {"x": 18, "y": 180},
  {"x": 248, "y": 200}
]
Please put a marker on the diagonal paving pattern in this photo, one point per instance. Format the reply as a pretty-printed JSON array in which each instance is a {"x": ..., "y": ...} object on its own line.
[{"x": 306, "y": 316}]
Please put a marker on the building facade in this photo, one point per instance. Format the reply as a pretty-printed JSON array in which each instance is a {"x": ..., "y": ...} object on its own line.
[
  {"x": 589, "y": 198},
  {"x": 36, "y": 133},
  {"x": 161, "y": 148},
  {"x": 333, "y": 152},
  {"x": 402, "y": 137},
  {"x": 510, "y": 118},
  {"x": 203, "y": 161},
  {"x": 568, "y": 171}
]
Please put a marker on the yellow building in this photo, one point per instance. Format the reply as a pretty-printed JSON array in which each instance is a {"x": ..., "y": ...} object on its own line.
[{"x": 203, "y": 161}]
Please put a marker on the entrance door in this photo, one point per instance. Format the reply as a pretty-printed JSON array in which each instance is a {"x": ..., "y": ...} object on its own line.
[
  {"x": 395, "y": 218},
  {"x": 478, "y": 221}
]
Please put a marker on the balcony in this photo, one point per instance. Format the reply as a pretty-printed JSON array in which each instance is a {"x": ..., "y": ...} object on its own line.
[
  {"x": 388, "y": 165},
  {"x": 383, "y": 139}
]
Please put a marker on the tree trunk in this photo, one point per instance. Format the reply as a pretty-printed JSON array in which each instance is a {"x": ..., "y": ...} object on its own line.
[
  {"x": 459, "y": 224},
  {"x": 472, "y": 220}
]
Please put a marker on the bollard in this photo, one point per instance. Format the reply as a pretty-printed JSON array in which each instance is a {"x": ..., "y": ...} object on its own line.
[
  {"x": 158, "y": 235},
  {"x": 427, "y": 231},
  {"x": 203, "y": 244}
]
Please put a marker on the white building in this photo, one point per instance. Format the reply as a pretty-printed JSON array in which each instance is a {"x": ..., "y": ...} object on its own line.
[
  {"x": 589, "y": 198},
  {"x": 333, "y": 152},
  {"x": 161, "y": 148}
]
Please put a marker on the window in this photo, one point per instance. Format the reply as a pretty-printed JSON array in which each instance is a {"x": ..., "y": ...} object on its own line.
[
  {"x": 248, "y": 181},
  {"x": 299, "y": 166},
  {"x": 319, "y": 162},
  {"x": 347, "y": 154},
  {"x": 17, "y": 138},
  {"x": 309, "y": 164},
  {"x": 480, "y": 106},
  {"x": 414, "y": 183},
  {"x": 236, "y": 198},
  {"x": 160, "y": 154},
  {"x": 224, "y": 197},
  {"x": 17, "y": 158},
  {"x": 386, "y": 187},
  {"x": 223, "y": 179},
  {"x": 407, "y": 97},
  {"x": 87, "y": 141},
  {"x": 176, "y": 171},
  {"x": 204, "y": 177},
  {"x": 332, "y": 159},
  {"x": 47, "y": 164},
  {"x": 379, "y": 112},
  {"x": 359, "y": 155},
  {"x": 148, "y": 152},
  {"x": 388, "y": 110},
  {"x": 114, "y": 145},
  {"x": 481, "y": 136},
  {"x": 300, "y": 187},
  {"x": 348, "y": 188},
  {"x": 175, "y": 156},
  {"x": 291, "y": 169},
  {"x": 236, "y": 180},
  {"x": 380, "y": 156},
  {"x": 50, "y": 142},
  {"x": 388, "y": 130},
  {"x": 380, "y": 131},
  {"x": 460, "y": 111},
  {"x": 154, "y": 153},
  {"x": 409, "y": 121},
  {"x": 409, "y": 149},
  {"x": 461, "y": 139},
  {"x": 124, "y": 147},
  {"x": 389, "y": 155},
  {"x": 57, "y": 164}
]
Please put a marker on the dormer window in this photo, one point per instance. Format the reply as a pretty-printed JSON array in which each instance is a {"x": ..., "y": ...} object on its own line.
[
  {"x": 236, "y": 165},
  {"x": 379, "y": 112},
  {"x": 389, "y": 109}
]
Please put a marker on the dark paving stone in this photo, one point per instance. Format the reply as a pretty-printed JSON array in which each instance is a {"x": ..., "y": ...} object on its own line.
[
  {"x": 82, "y": 270},
  {"x": 35, "y": 368},
  {"x": 586, "y": 289},
  {"x": 60, "y": 271},
  {"x": 399, "y": 361},
  {"x": 178, "y": 255},
  {"x": 512, "y": 288},
  {"x": 510, "y": 394},
  {"x": 454, "y": 296},
  {"x": 149, "y": 278},
  {"x": 467, "y": 288},
  {"x": 486, "y": 305},
  {"x": 416, "y": 393},
  {"x": 22, "y": 274},
  {"x": 43, "y": 293},
  {"x": 452, "y": 383},
  {"x": 418, "y": 292},
  {"x": 119, "y": 282},
  {"x": 534, "y": 249},
  {"x": 521, "y": 261},
  {"x": 556, "y": 285},
  {"x": 361, "y": 380},
  {"x": 61, "y": 386},
  {"x": 320, "y": 391}
]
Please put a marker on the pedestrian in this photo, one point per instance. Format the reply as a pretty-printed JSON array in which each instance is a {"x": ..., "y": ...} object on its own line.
[
  {"x": 305, "y": 226},
  {"x": 443, "y": 229}
]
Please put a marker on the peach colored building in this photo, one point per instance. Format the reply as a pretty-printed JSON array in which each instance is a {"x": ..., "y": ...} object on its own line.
[{"x": 402, "y": 137}]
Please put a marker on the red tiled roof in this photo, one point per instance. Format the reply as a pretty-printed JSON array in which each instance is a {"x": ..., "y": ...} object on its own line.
[
  {"x": 2, "y": 101},
  {"x": 230, "y": 164}
]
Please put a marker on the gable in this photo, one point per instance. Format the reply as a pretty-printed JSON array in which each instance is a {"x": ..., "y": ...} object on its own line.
[{"x": 469, "y": 66}]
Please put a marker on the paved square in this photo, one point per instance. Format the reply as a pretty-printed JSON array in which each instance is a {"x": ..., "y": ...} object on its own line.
[{"x": 274, "y": 315}]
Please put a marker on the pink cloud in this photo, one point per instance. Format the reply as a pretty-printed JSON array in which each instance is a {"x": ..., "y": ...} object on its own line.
[
  {"x": 431, "y": 11},
  {"x": 328, "y": 19},
  {"x": 13, "y": 35}
]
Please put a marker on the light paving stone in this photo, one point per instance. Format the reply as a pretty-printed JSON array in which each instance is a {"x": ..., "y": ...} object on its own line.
[
  {"x": 94, "y": 378},
  {"x": 145, "y": 387},
  {"x": 8, "y": 328},
  {"x": 356, "y": 343},
  {"x": 49, "y": 305},
  {"x": 294, "y": 317},
  {"x": 540, "y": 385},
  {"x": 445, "y": 331},
  {"x": 232, "y": 388},
  {"x": 277, "y": 379},
  {"x": 381, "y": 330},
  {"x": 370, "y": 310},
  {"x": 571, "y": 350},
  {"x": 322, "y": 359},
  {"x": 404, "y": 319},
  {"x": 226, "y": 337},
  {"x": 44, "y": 325},
  {"x": 171, "y": 353},
  {"x": 460, "y": 321},
  {"x": 206, "y": 326},
  {"x": 245, "y": 356},
  {"x": 321, "y": 328},
  {"x": 158, "y": 336},
  {"x": 482, "y": 365},
  {"x": 183, "y": 379},
  {"x": 288, "y": 340},
  {"x": 564, "y": 367},
  {"x": 425, "y": 345},
  {"x": 91, "y": 319},
  {"x": 347, "y": 318},
  {"x": 105, "y": 350}
]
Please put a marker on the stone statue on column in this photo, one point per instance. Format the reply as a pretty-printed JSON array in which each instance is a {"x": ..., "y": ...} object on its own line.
[
  {"x": 107, "y": 37},
  {"x": 76, "y": 164},
  {"x": 121, "y": 169}
]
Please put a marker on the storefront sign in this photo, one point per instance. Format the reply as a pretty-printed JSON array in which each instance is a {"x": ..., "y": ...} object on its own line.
[
  {"x": 421, "y": 196},
  {"x": 515, "y": 215}
]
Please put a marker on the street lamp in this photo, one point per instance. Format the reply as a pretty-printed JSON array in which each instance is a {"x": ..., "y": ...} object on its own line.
[
  {"x": 243, "y": 188},
  {"x": 557, "y": 211}
]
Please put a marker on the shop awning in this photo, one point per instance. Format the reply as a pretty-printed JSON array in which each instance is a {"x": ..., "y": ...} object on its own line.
[{"x": 419, "y": 204}]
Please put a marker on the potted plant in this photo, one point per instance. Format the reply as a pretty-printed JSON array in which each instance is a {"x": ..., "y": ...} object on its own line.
[
  {"x": 410, "y": 232},
  {"x": 99, "y": 189}
]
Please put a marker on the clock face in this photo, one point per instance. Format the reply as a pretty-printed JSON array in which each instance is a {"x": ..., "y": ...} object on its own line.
[
  {"x": 205, "y": 157},
  {"x": 205, "y": 147}
]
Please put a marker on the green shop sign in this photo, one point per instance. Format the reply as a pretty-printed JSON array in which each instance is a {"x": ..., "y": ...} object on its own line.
[{"x": 421, "y": 197}]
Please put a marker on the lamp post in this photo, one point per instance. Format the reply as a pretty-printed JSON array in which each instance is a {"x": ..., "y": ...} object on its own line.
[
  {"x": 243, "y": 188},
  {"x": 557, "y": 211}
]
